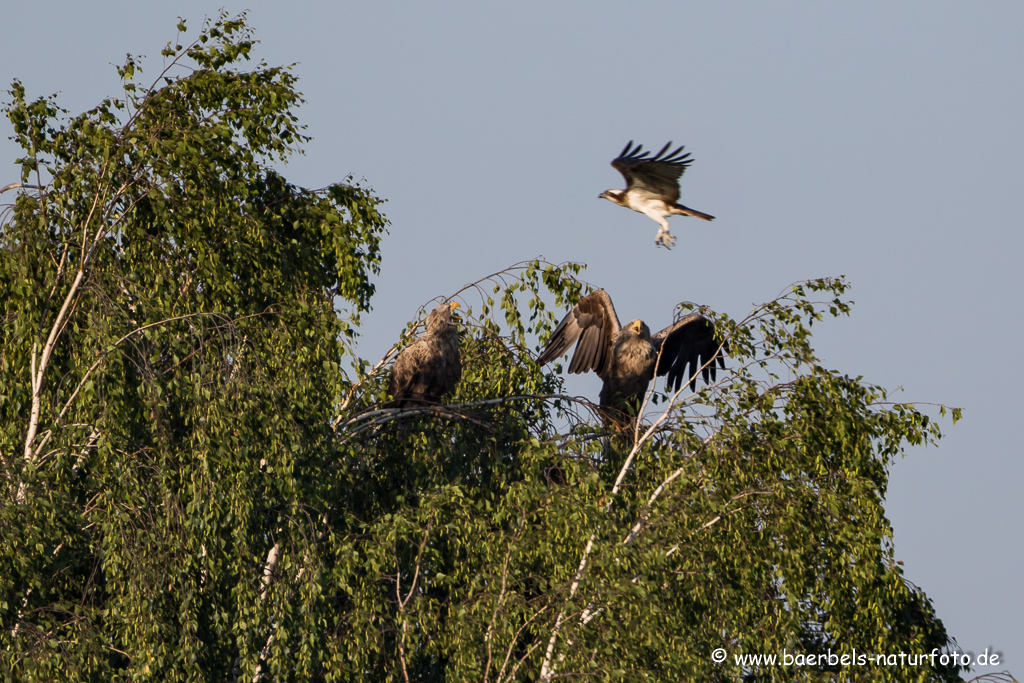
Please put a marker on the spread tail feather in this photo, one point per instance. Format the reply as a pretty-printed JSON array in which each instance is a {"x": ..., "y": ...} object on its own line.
[{"x": 679, "y": 208}]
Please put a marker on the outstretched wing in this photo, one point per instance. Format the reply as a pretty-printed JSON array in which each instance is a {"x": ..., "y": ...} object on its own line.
[
  {"x": 658, "y": 175},
  {"x": 594, "y": 323},
  {"x": 689, "y": 342}
]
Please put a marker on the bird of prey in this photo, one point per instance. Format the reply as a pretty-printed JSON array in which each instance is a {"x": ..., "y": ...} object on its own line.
[
  {"x": 430, "y": 366},
  {"x": 652, "y": 186},
  {"x": 627, "y": 358}
]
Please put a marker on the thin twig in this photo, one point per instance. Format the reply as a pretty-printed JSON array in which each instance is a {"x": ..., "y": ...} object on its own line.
[
  {"x": 402, "y": 603},
  {"x": 501, "y": 597}
]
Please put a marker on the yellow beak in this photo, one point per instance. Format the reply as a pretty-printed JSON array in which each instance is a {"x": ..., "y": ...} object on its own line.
[{"x": 452, "y": 305}]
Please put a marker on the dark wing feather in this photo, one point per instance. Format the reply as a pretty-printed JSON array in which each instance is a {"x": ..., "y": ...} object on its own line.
[
  {"x": 594, "y": 323},
  {"x": 625, "y": 150},
  {"x": 658, "y": 175},
  {"x": 689, "y": 342}
]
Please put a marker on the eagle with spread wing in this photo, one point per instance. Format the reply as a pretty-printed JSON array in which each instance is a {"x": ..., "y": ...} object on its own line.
[
  {"x": 628, "y": 358},
  {"x": 431, "y": 365},
  {"x": 652, "y": 186}
]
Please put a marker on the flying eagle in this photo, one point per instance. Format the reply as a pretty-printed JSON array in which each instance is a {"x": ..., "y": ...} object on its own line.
[
  {"x": 430, "y": 366},
  {"x": 652, "y": 186},
  {"x": 627, "y": 359}
]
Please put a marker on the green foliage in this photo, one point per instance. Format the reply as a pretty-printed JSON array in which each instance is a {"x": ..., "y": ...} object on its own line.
[{"x": 194, "y": 488}]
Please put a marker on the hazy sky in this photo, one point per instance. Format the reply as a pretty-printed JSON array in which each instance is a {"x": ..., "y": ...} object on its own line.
[{"x": 878, "y": 140}]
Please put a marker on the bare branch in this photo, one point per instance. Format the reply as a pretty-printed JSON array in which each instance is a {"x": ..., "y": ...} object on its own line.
[
  {"x": 511, "y": 647},
  {"x": 15, "y": 186}
]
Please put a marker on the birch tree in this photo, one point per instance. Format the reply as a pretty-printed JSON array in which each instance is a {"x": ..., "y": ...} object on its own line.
[{"x": 202, "y": 480}]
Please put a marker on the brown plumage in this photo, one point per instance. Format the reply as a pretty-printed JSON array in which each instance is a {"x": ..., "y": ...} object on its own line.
[
  {"x": 430, "y": 366},
  {"x": 652, "y": 186},
  {"x": 626, "y": 358}
]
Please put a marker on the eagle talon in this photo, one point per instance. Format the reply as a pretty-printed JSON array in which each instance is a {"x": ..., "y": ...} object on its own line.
[{"x": 665, "y": 240}]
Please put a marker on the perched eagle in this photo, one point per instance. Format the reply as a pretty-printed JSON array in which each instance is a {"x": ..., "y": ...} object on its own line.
[
  {"x": 430, "y": 366},
  {"x": 652, "y": 186},
  {"x": 626, "y": 358}
]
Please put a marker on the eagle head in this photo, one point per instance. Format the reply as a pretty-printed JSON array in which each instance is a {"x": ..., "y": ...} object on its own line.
[
  {"x": 441, "y": 317},
  {"x": 614, "y": 196},
  {"x": 640, "y": 329}
]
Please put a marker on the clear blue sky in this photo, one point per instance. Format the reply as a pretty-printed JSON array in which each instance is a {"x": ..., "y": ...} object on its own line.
[{"x": 882, "y": 141}]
